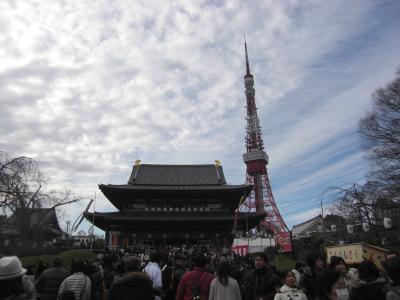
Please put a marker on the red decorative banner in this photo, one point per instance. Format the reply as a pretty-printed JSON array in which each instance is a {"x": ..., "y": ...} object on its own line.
[
  {"x": 242, "y": 250},
  {"x": 284, "y": 241}
]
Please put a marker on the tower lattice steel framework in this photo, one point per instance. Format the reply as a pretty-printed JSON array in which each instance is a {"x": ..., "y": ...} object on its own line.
[{"x": 261, "y": 198}]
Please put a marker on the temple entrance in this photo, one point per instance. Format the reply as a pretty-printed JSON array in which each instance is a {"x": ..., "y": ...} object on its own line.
[
  {"x": 175, "y": 241},
  {"x": 206, "y": 243},
  {"x": 146, "y": 243}
]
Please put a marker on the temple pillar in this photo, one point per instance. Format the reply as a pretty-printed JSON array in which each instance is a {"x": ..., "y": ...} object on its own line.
[{"x": 113, "y": 240}]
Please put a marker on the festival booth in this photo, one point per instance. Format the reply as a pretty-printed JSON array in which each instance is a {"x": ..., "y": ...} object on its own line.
[
  {"x": 356, "y": 253},
  {"x": 244, "y": 246}
]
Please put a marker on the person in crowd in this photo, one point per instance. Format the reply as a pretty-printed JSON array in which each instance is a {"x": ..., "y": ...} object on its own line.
[
  {"x": 371, "y": 283},
  {"x": 298, "y": 272},
  {"x": 315, "y": 265},
  {"x": 107, "y": 274},
  {"x": 49, "y": 281},
  {"x": 327, "y": 284},
  {"x": 172, "y": 277},
  {"x": 392, "y": 267},
  {"x": 30, "y": 273},
  {"x": 337, "y": 263},
  {"x": 262, "y": 282},
  {"x": 40, "y": 268},
  {"x": 289, "y": 289},
  {"x": 353, "y": 278},
  {"x": 94, "y": 274},
  {"x": 133, "y": 284},
  {"x": 224, "y": 286},
  {"x": 154, "y": 271},
  {"x": 14, "y": 285},
  {"x": 77, "y": 284},
  {"x": 195, "y": 284},
  {"x": 167, "y": 274}
]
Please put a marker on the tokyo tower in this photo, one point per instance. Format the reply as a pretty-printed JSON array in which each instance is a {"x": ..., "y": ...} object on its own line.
[{"x": 261, "y": 198}]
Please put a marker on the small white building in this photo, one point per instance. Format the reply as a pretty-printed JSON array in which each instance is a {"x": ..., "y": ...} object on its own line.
[{"x": 243, "y": 246}]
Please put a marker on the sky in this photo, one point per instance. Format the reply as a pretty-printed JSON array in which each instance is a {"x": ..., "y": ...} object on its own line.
[{"x": 87, "y": 87}]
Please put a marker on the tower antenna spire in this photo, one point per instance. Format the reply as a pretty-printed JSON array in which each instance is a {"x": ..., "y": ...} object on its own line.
[
  {"x": 261, "y": 199},
  {"x": 247, "y": 57}
]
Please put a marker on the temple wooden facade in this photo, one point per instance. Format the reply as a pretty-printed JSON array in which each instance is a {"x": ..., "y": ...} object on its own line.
[{"x": 174, "y": 204}]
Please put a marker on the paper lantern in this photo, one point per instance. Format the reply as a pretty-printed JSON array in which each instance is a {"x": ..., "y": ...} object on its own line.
[{"x": 350, "y": 229}]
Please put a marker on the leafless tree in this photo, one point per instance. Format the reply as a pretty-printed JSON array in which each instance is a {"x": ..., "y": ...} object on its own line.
[
  {"x": 380, "y": 134},
  {"x": 359, "y": 204},
  {"x": 22, "y": 193}
]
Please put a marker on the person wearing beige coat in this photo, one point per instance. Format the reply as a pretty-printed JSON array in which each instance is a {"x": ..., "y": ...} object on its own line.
[{"x": 223, "y": 286}]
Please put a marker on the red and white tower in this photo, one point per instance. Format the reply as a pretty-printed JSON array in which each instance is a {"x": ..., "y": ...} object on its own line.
[{"x": 261, "y": 198}]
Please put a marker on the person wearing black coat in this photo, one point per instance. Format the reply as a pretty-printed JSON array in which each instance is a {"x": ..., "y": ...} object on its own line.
[
  {"x": 171, "y": 277},
  {"x": 371, "y": 283},
  {"x": 133, "y": 284},
  {"x": 315, "y": 265},
  {"x": 49, "y": 281},
  {"x": 262, "y": 282}
]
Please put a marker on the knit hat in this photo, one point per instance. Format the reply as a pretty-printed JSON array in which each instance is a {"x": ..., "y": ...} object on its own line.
[{"x": 10, "y": 268}]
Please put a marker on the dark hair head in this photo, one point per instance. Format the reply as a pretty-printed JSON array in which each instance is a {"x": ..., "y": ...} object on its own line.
[
  {"x": 57, "y": 261},
  {"x": 368, "y": 271},
  {"x": 285, "y": 273},
  {"x": 77, "y": 266},
  {"x": 91, "y": 268},
  {"x": 155, "y": 256},
  {"x": 299, "y": 265},
  {"x": 325, "y": 282},
  {"x": 392, "y": 266},
  {"x": 223, "y": 272},
  {"x": 107, "y": 261},
  {"x": 263, "y": 255},
  {"x": 200, "y": 260},
  {"x": 132, "y": 264},
  {"x": 313, "y": 257},
  {"x": 336, "y": 260},
  {"x": 179, "y": 257}
]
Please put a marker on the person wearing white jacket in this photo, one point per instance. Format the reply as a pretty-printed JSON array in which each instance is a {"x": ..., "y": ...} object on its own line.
[{"x": 289, "y": 291}]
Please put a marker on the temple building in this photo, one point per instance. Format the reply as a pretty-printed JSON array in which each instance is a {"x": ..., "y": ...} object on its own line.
[{"x": 174, "y": 205}]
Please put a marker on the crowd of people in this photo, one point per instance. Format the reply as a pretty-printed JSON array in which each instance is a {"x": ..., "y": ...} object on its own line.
[{"x": 197, "y": 274}]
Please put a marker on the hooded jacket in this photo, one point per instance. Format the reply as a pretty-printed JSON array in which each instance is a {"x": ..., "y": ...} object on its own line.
[
  {"x": 132, "y": 285},
  {"x": 286, "y": 293}
]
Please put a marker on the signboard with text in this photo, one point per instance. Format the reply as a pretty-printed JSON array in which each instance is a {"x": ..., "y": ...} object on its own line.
[{"x": 356, "y": 253}]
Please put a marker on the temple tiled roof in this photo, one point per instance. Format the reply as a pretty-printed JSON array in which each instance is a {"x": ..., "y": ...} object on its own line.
[
  {"x": 302, "y": 228},
  {"x": 177, "y": 175},
  {"x": 44, "y": 218}
]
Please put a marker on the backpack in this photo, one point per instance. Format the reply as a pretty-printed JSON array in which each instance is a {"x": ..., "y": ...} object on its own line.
[{"x": 196, "y": 289}]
